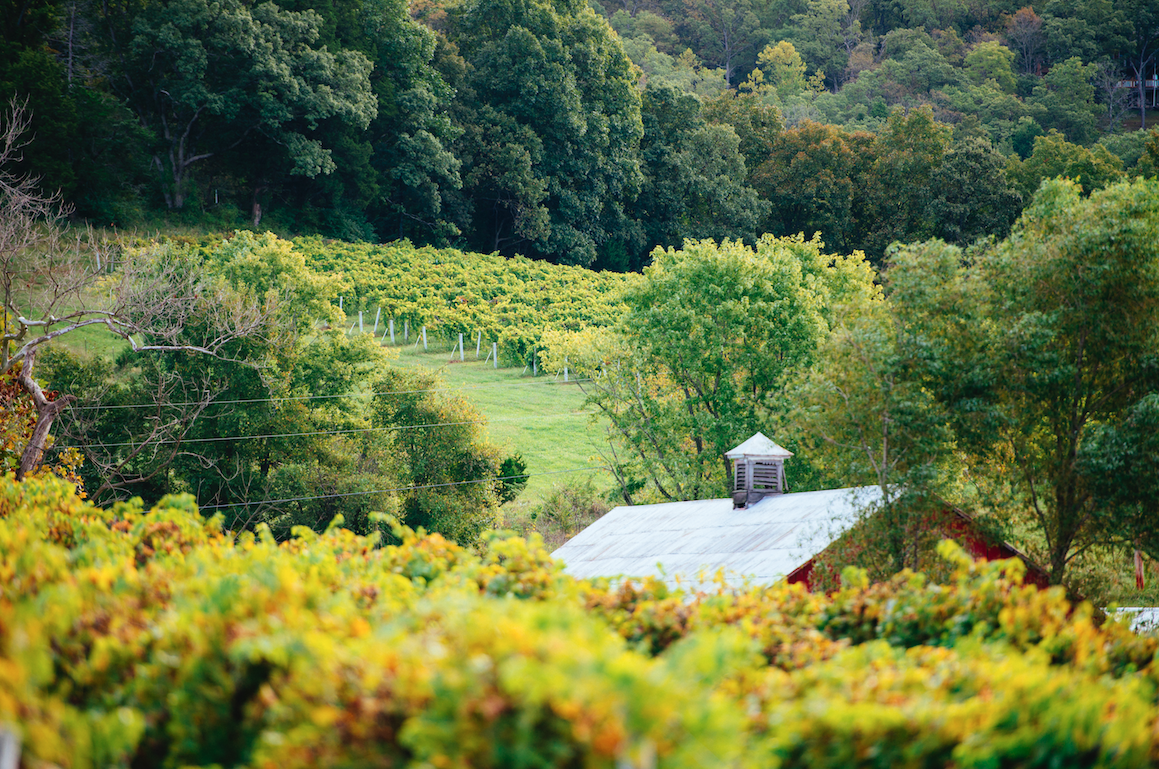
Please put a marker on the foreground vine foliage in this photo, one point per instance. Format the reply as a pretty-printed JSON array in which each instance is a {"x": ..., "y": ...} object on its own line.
[{"x": 154, "y": 639}]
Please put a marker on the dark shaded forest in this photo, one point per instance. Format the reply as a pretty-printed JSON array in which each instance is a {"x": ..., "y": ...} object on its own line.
[{"x": 579, "y": 132}]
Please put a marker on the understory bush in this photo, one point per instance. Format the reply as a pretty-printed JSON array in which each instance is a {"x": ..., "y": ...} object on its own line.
[{"x": 153, "y": 638}]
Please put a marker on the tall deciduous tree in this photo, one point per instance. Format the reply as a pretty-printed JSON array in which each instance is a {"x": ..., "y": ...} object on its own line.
[
  {"x": 868, "y": 419},
  {"x": 908, "y": 150},
  {"x": 1053, "y": 331},
  {"x": 207, "y": 77},
  {"x": 550, "y": 115},
  {"x": 413, "y": 135},
  {"x": 1120, "y": 463},
  {"x": 1142, "y": 47},
  {"x": 819, "y": 35},
  {"x": 694, "y": 176},
  {"x": 1054, "y": 156},
  {"x": 1086, "y": 29},
  {"x": 1024, "y": 34},
  {"x": 814, "y": 178},
  {"x": 445, "y": 461},
  {"x": 709, "y": 338},
  {"x": 1066, "y": 101},
  {"x": 726, "y": 33},
  {"x": 970, "y": 196}
]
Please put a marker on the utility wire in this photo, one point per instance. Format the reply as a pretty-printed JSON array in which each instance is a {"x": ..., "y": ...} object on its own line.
[
  {"x": 310, "y": 433},
  {"x": 360, "y": 394},
  {"x": 400, "y": 488}
]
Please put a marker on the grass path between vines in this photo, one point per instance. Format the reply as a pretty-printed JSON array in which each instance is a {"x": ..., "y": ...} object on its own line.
[{"x": 541, "y": 418}]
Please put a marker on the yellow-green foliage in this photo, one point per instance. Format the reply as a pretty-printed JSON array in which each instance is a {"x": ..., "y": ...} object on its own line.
[
  {"x": 154, "y": 638},
  {"x": 511, "y": 301}
]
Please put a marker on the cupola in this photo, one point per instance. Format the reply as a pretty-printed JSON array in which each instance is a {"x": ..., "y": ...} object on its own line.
[{"x": 758, "y": 470}]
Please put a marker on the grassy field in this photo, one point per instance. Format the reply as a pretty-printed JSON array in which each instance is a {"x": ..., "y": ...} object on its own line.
[
  {"x": 541, "y": 418},
  {"x": 538, "y": 417}
]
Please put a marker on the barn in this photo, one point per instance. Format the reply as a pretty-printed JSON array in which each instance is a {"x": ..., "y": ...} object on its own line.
[{"x": 762, "y": 533}]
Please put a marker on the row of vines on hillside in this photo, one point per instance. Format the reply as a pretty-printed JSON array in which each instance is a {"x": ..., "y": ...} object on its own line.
[{"x": 511, "y": 301}]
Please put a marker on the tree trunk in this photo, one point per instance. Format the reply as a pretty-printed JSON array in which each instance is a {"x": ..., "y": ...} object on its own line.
[{"x": 46, "y": 413}]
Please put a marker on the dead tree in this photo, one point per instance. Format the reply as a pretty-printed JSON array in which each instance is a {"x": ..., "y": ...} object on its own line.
[{"x": 51, "y": 278}]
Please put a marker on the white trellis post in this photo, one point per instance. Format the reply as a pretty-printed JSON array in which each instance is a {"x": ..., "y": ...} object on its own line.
[
  {"x": 391, "y": 330},
  {"x": 460, "y": 348},
  {"x": 565, "y": 372},
  {"x": 406, "y": 330},
  {"x": 377, "y": 313},
  {"x": 340, "y": 302},
  {"x": 534, "y": 362},
  {"x": 361, "y": 328},
  {"x": 424, "y": 338},
  {"x": 478, "y": 343},
  {"x": 9, "y": 748},
  {"x": 495, "y": 353}
]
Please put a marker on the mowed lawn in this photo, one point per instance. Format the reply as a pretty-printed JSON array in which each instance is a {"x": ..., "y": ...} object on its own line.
[{"x": 541, "y": 418}]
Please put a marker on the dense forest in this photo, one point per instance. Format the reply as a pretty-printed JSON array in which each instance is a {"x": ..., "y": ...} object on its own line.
[{"x": 577, "y": 132}]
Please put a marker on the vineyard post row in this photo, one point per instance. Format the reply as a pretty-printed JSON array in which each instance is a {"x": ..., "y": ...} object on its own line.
[{"x": 492, "y": 356}]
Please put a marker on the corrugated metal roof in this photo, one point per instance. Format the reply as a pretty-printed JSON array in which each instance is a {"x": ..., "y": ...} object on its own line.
[
  {"x": 759, "y": 446},
  {"x": 764, "y": 542},
  {"x": 1144, "y": 619}
]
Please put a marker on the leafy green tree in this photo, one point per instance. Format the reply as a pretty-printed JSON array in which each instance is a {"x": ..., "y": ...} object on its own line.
[
  {"x": 88, "y": 147},
  {"x": 780, "y": 72},
  {"x": 999, "y": 113},
  {"x": 991, "y": 61},
  {"x": 755, "y": 122},
  {"x": 917, "y": 72},
  {"x": 932, "y": 14},
  {"x": 1141, "y": 47},
  {"x": 550, "y": 115},
  {"x": 725, "y": 33},
  {"x": 814, "y": 178},
  {"x": 970, "y": 196},
  {"x": 818, "y": 35},
  {"x": 694, "y": 176},
  {"x": 1128, "y": 147},
  {"x": 1052, "y": 333},
  {"x": 907, "y": 152},
  {"x": 1120, "y": 464},
  {"x": 710, "y": 336},
  {"x": 290, "y": 428},
  {"x": 684, "y": 72},
  {"x": 207, "y": 79},
  {"x": 1066, "y": 101},
  {"x": 1149, "y": 160},
  {"x": 448, "y": 471},
  {"x": 1055, "y": 157},
  {"x": 176, "y": 443},
  {"x": 1023, "y": 136},
  {"x": 413, "y": 135},
  {"x": 863, "y": 412},
  {"x": 1087, "y": 29}
]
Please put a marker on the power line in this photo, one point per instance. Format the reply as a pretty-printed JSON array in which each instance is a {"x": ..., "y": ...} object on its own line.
[
  {"x": 311, "y": 433},
  {"x": 400, "y": 488},
  {"x": 358, "y": 394}
]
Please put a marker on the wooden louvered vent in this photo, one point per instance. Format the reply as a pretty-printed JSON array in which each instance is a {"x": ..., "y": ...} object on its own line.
[
  {"x": 758, "y": 470},
  {"x": 766, "y": 477}
]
